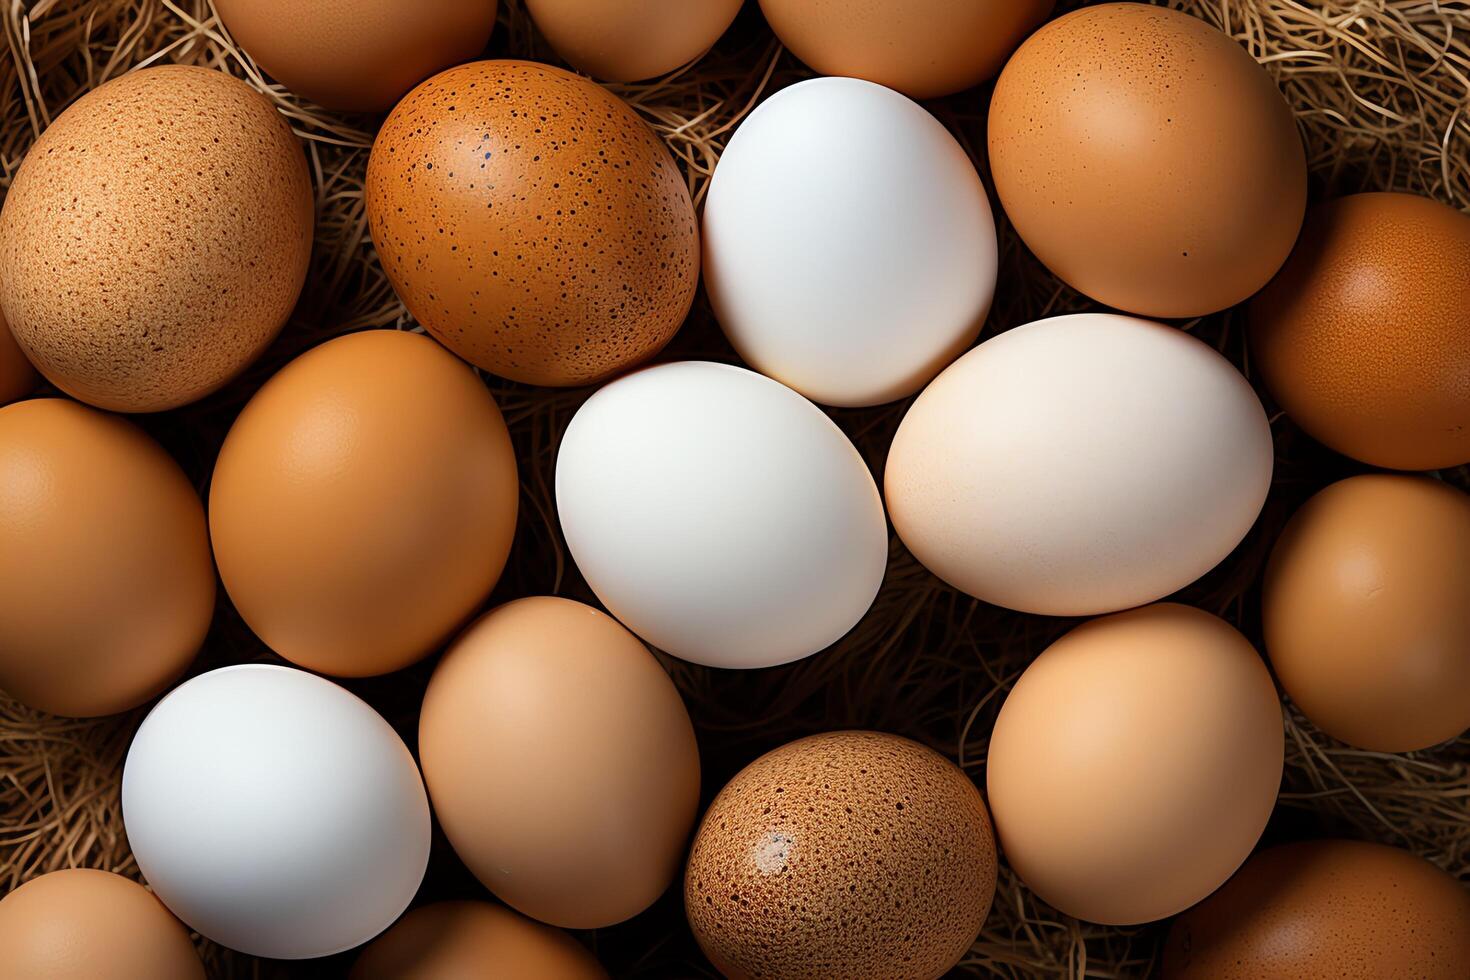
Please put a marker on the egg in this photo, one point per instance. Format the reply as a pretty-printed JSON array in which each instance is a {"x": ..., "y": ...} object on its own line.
[
  {"x": 625, "y": 40},
  {"x": 274, "y": 812},
  {"x": 1326, "y": 909},
  {"x": 561, "y": 762},
  {"x": 357, "y": 54},
  {"x": 106, "y": 584},
  {"x": 1135, "y": 762},
  {"x": 1364, "y": 336},
  {"x": 458, "y": 940},
  {"x": 1366, "y": 608},
  {"x": 1147, "y": 160},
  {"x": 853, "y": 284},
  {"x": 155, "y": 238},
  {"x": 81, "y": 924},
  {"x": 721, "y": 516},
  {"x": 842, "y": 855},
  {"x": 363, "y": 503},
  {"x": 1080, "y": 465},
  {"x": 17, "y": 377},
  {"x": 532, "y": 222},
  {"x": 923, "y": 48}
]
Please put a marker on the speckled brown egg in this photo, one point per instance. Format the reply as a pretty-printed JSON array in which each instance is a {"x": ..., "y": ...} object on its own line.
[
  {"x": 843, "y": 855},
  {"x": 17, "y": 377},
  {"x": 1323, "y": 910},
  {"x": 155, "y": 238},
  {"x": 1147, "y": 160},
  {"x": 625, "y": 40},
  {"x": 1364, "y": 335},
  {"x": 532, "y": 222}
]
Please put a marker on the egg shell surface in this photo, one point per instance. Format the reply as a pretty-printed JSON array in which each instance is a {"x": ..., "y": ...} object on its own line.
[
  {"x": 626, "y": 40},
  {"x": 17, "y": 377}
]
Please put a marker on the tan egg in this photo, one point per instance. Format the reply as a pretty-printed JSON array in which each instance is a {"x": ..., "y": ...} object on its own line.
[
  {"x": 561, "y": 762},
  {"x": 106, "y": 585},
  {"x": 1366, "y": 608},
  {"x": 1134, "y": 764},
  {"x": 847, "y": 856},
  {"x": 357, "y": 54},
  {"x": 922, "y": 48},
  {"x": 1322, "y": 910},
  {"x": 1147, "y": 160},
  {"x": 363, "y": 503},
  {"x": 625, "y": 40},
  {"x": 17, "y": 377},
  {"x": 532, "y": 222},
  {"x": 463, "y": 940},
  {"x": 81, "y": 924},
  {"x": 156, "y": 238},
  {"x": 1364, "y": 335}
]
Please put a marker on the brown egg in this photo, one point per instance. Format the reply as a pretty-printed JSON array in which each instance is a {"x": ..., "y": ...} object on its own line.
[
  {"x": 561, "y": 762},
  {"x": 1366, "y": 608},
  {"x": 1321, "y": 910},
  {"x": 923, "y": 48},
  {"x": 363, "y": 503},
  {"x": 1147, "y": 160},
  {"x": 106, "y": 586},
  {"x": 1134, "y": 764},
  {"x": 357, "y": 54},
  {"x": 625, "y": 40},
  {"x": 17, "y": 377},
  {"x": 81, "y": 924},
  {"x": 843, "y": 855},
  {"x": 532, "y": 222},
  {"x": 156, "y": 238},
  {"x": 464, "y": 940},
  {"x": 1364, "y": 335}
]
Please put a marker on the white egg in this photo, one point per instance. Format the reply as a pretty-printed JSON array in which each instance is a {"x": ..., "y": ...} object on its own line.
[
  {"x": 721, "y": 516},
  {"x": 849, "y": 249},
  {"x": 275, "y": 812},
  {"x": 1080, "y": 465}
]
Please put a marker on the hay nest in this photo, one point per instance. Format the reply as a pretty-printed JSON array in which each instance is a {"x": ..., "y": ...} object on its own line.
[{"x": 1381, "y": 89}]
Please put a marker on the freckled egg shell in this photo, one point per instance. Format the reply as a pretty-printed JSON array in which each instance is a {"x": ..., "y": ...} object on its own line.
[
  {"x": 922, "y": 48},
  {"x": 1135, "y": 763},
  {"x": 1366, "y": 608},
  {"x": 532, "y": 222},
  {"x": 156, "y": 238},
  {"x": 17, "y": 377},
  {"x": 81, "y": 924},
  {"x": 854, "y": 285},
  {"x": 1080, "y": 465},
  {"x": 1147, "y": 160},
  {"x": 625, "y": 40},
  {"x": 1320, "y": 910},
  {"x": 1364, "y": 335},
  {"x": 357, "y": 54},
  {"x": 460, "y": 940},
  {"x": 843, "y": 855},
  {"x": 106, "y": 584},
  {"x": 561, "y": 762},
  {"x": 363, "y": 503}
]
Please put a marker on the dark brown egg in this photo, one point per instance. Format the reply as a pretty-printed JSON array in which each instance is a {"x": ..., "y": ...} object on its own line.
[
  {"x": 532, "y": 222},
  {"x": 17, "y": 377},
  {"x": 1324, "y": 910},
  {"x": 843, "y": 855}
]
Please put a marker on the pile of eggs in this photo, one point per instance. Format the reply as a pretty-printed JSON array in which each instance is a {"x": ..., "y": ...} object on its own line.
[{"x": 363, "y": 505}]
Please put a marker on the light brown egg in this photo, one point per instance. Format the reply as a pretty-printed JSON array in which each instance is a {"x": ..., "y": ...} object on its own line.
[
  {"x": 1322, "y": 910},
  {"x": 1366, "y": 607},
  {"x": 922, "y": 48},
  {"x": 81, "y": 925},
  {"x": 532, "y": 222},
  {"x": 357, "y": 54},
  {"x": 106, "y": 585},
  {"x": 464, "y": 940},
  {"x": 847, "y": 856},
  {"x": 156, "y": 238},
  {"x": 1134, "y": 764},
  {"x": 625, "y": 40},
  {"x": 1364, "y": 335},
  {"x": 363, "y": 503},
  {"x": 1147, "y": 160},
  {"x": 17, "y": 377}
]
